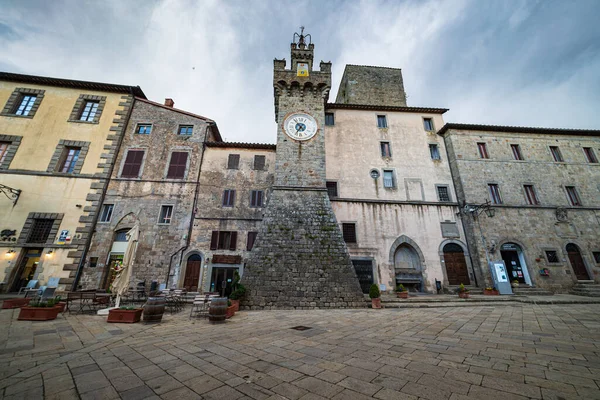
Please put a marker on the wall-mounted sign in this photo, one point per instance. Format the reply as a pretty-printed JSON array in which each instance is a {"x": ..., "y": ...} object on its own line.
[
  {"x": 8, "y": 235},
  {"x": 64, "y": 236},
  {"x": 226, "y": 259},
  {"x": 501, "y": 272},
  {"x": 302, "y": 69}
]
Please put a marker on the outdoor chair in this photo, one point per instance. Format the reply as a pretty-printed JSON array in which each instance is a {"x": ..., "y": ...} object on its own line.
[
  {"x": 30, "y": 286},
  {"x": 46, "y": 293},
  {"x": 200, "y": 305}
]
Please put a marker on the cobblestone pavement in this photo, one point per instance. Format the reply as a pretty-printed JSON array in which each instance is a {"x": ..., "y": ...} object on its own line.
[{"x": 485, "y": 352}]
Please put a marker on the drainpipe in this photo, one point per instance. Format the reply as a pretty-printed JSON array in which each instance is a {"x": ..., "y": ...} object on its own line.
[
  {"x": 88, "y": 242},
  {"x": 209, "y": 125}
]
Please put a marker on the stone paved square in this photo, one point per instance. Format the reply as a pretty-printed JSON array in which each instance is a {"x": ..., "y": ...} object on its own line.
[{"x": 490, "y": 351}]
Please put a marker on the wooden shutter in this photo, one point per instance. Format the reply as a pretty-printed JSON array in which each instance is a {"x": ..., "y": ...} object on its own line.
[
  {"x": 259, "y": 162},
  {"x": 214, "y": 240},
  {"x": 233, "y": 161},
  {"x": 177, "y": 165},
  {"x": 259, "y": 198},
  {"x": 251, "y": 240},
  {"x": 133, "y": 163},
  {"x": 233, "y": 240}
]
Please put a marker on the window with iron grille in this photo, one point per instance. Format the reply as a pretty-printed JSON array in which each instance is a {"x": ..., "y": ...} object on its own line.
[
  {"x": 24, "y": 107},
  {"x": 228, "y": 197},
  {"x": 329, "y": 119},
  {"x": 349, "y": 232},
  {"x": 223, "y": 240},
  {"x": 428, "y": 124},
  {"x": 552, "y": 257},
  {"x": 144, "y": 129},
  {"x": 332, "y": 189},
  {"x": 106, "y": 213},
  {"x": 483, "y": 153},
  {"x": 381, "y": 121},
  {"x": 68, "y": 160},
  {"x": 386, "y": 151},
  {"x": 590, "y": 155},
  {"x": 185, "y": 130},
  {"x": 443, "y": 193},
  {"x": 556, "y": 154},
  {"x": 166, "y": 214},
  {"x": 259, "y": 163},
  {"x": 88, "y": 113},
  {"x": 573, "y": 196},
  {"x": 530, "y": 195},
  {"x": 177, "y": 165},
  {"x": 494, "y": 192},
  {"x": 516, "y": 150},
  {"x": 388, "y": 179},
  {"x": 256, "y": 198},
  {"x": 434, "y": 151},
  {"x": 233, "y": 161},
  {"x": 133, "y": 164},
  {"x": 40, "y": 230},
  {"x": 596, "y": 255},
  {"x": 3, "y": 150},
  {"x": 251, "y": 240}
]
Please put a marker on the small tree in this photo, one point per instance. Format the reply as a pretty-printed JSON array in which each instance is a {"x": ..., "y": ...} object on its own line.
[
  {"x": 401, "y": 288},
  {"x": 374, "y": 291}
]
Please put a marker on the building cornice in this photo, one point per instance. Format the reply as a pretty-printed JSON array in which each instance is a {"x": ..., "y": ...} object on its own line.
[
  {"x": 240, "y": 145},
  {"x": 370, "y": 107},
  {"x": 517, "y": 129}
]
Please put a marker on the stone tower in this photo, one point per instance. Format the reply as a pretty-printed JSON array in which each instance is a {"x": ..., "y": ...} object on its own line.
[{"x": 300, "y": 259}]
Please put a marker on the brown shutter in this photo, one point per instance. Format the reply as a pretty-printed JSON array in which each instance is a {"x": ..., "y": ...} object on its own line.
[
  {"x": 233, "y": 161},
  {"x": 259, "y": 163},
  {"x": 259, "y": 198},
  {"x": 177, "y": 165},
  {"x": 233, "y": 243},
  {"x": 232, "y": 198},
  {"x": 251, "y": 240},
  {"x": 214, "y": 239},
  {"x": 133, "y": 163}
]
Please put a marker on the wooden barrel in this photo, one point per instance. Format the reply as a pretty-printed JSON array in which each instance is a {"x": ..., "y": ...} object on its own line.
[
  {"x": 154, "y": 309},
  {"x": 217, "y": 310}
]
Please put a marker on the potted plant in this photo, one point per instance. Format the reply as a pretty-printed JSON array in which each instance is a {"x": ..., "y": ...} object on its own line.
[
  {"x": 238, "y": 291},
  {"x": 39, "y": 311},
  {"x": 128, "y": 315},
  {"x": 375, "y": 296},
  {"x": 491, "y": 291},
  {"x": 515, "y": 283},
  {"x": 15, "y": 303},
  {"x": 230, "y": 310},
  {"x": 463, "y": 293},
  {"x": 59, "y": 304},
  {"x": 401, "y": 292}
]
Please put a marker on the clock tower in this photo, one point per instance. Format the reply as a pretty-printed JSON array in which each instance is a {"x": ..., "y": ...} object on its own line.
[{"x": 299, "y": 259}]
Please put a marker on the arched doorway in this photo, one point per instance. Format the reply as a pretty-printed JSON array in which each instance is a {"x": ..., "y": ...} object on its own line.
[
  {"x": 192, "y": 273},
  {"x": 117, "y": 251},
  {"x": 408, "y": 267},
  {"x": 577, "y": 262},
  {"x": 513, "y": 257},
  {"x": 456, "y": 265}
]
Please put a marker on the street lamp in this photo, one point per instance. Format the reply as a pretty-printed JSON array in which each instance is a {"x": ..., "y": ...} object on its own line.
[{"x": 475, "y": 211}]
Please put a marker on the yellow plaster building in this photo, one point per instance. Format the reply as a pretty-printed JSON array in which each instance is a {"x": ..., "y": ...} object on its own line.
[{"x": 58, "y": 140}]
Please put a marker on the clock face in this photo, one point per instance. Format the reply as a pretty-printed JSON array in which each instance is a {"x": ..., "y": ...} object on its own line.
[{"x": 300, "y": 126}]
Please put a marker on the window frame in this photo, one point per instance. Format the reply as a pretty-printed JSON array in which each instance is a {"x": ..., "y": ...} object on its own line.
[
  {"x": 48, "y": 228},
  {"x": 216, "y": 242},
  {"x": 111, "y": 211},
  {"x": 558, "y": 259},
  {"x": 124, "y": 163},
  {"x": 30, "y": 103},
  {"x": 253, "y": 235},
  {"x": 65, "y": 156},
  {"x": 382, "y": 147},
  {"x": 95, "y": 104},
  {"x": 492, "y": 194},
  {"x": 254, "y": 197},
  {"x": 229, "y": 195},
  {"x": 483, "y": 151},
  {"x": 79, "y": 108},
  {"x": 575, "y": 192},
  {"x": 185, "y": 167},
  {"x": 596, "y": 256},
  {"x": 185, "y": 126},
  {"x": 590, "y": 155},
  {"x": 534, "y": 200},
  {"x": 437, "y": 149},
  {"x": 394, "y": 184},
  {"x": 4, "y": 153},
  {"x": 343, "y": 229},
  {"x": 232, "y": 156},
  {"x": 516, "y": 152},
  {"x": 430, "y": 120},
  {"x": 16, "y": 98},
  {"x": 556, "y": 155},
  {"x": 160, "y": 214},
  {"x": 256, "y": 157},
  {"x": 139, "y": 125},
  {"x": 437, "y": 191},
  {"x": 384, "y": 119},
  {"x": 332, "y": 184},
  {"x": 332, "y": 118}
]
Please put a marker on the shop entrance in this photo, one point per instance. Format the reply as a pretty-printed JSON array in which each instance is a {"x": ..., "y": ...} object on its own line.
[
  {"x": 515, "y": 263},
  {"x": 577, "y": 262},
  {"x": 222, "y": 276},
  {"x": 27, "y": 268}
]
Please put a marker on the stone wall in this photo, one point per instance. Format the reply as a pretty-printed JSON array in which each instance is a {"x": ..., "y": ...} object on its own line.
[{"x": 380, "y": 86}]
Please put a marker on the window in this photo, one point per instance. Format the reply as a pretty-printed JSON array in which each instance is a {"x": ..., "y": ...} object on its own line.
[
  {"x": 177, "y": 165},
  {"x": 556, "y": 154},
  {"x": 88, "y": 113},
  {"x": 3, "y": 150},
  {"x": 223, "y": 240},
  {"x": 228, "y": 198},
  {"x": 596, "y": 255},
  {"x": 329, "y": 119},
  {"x": 121, "y": 236},
  {"x": 483, "y": 153},
  {"x": 144, "y": 129},
  {"x": 573, "y": 196},
  {"x": 93, "y": 262},
  {"x": 233, "y": 162},
  {"x": 590, "y": 155},
  {"x": 27, "y": 102},
  {"x": 251, "y": 240},
  {"x": 381, "y": 121},
  {"x": 494, "y": 192},
  {"x": 69, "y": 158},
  {"x": 516, "y": 150},
  {"x": 385, "y": 149},
  {"x": 530, "y": 195},
  {"x": 552, "y": 257},
  {"x": 106, "y": 213},
  {"x": 428, "y": 124},
  {"x": 259, "y": 163},
  {"x": 434, "y": 151},
  {"x": 332, "y": 189},
  {"x": 185, "y": 130},
  {"x": 256, "y": 198},
  {"x": 166, "y": 213},
  {"x": 443, "y": 193},
  {"x": 133, "y": 164},
  {"x": 40, "y": 230},
  {"x": 349, "y": 232},
  {"x": 388, "y": 179}
]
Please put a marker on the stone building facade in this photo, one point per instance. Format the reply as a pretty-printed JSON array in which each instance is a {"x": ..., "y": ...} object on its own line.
[
  {"x": 154, "y": 184},
  {"x": 58, "y": 140},
  {"x": 544, "y": 186}
]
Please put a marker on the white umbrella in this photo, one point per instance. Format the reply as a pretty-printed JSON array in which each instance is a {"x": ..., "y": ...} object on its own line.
[{"x": 121, "y": 282}]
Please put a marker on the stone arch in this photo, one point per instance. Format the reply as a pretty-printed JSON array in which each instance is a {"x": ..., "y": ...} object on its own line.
[
  {"x": 412, "y": 279},
  {"x": 405, "y": 240},
  {"x": 453, "y": 241},
  {"x": 575, "y": 244},
  {"x": 126, "y": 222},
  {"x": 465, "y": 254},
  {"x": 181, "y": 270},
  {"x": 523, "y": 253}
]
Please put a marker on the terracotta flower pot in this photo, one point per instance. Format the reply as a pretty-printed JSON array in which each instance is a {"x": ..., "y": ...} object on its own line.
[
  {"x": 15, "y": 303},
  {"x": 38, "y": 313},
  {"x": 376, "y": 303},
  {"x": 125, "y": 316},
  {"x": 402, "y": 295},
  {"x": 491, "y": 292},
  {"x": 463, "y": 295},
  {"x": 236, "y": 304},
  {"x": 230, "y": 311},
  {"x": 61, "y": 306}
]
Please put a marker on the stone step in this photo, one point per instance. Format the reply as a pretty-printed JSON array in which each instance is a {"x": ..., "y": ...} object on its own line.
[
  {"x": 531, "y": 291},
  {"x": 586, "y": 289}
]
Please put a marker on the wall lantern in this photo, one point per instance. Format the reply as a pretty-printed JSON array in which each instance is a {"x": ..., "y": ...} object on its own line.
[
  {"x": 374, "y": 173},
  {"x": 49, "y": 254},
  {"x": 9, "y": 253}
]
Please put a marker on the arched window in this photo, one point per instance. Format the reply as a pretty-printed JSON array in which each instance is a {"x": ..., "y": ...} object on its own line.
[{"x": 121, "y": 235}]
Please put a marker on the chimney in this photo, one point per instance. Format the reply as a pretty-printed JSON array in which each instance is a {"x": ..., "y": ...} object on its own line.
[{"x": 169, "y": 103}]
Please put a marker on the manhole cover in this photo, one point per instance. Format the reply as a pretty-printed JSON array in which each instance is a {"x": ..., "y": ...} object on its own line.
[{"x": 301, "y": 328}]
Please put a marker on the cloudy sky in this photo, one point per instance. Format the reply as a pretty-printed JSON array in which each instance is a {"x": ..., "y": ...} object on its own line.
[{"x": 509, "y": 62}]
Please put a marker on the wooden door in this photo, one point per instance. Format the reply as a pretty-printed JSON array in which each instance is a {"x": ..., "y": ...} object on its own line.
[
  {"x": 456, "y": 269},
  {"x": 192, "y": 276},
  {"x": 577, "y": 263}
]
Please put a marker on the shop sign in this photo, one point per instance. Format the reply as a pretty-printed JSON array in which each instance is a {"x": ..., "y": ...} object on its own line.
[{"x": 64, "y": 236}]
